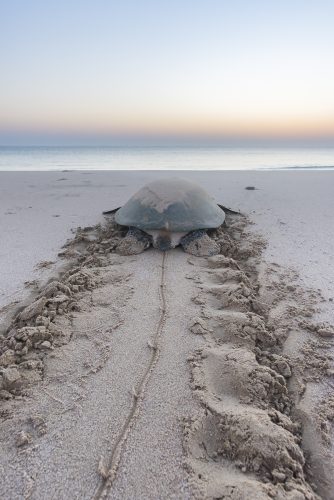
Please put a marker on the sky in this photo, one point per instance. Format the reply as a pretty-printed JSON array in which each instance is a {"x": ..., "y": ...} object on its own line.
[{"x": 216, "y": 69}]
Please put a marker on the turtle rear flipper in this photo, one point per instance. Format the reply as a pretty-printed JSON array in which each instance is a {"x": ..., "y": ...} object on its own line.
[
  {"x": 200, "y": 244},
  {"x": 136, "y": 241}
]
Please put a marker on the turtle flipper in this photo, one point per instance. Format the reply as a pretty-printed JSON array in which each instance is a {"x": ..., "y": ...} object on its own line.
[
  {"x": 135, "y": 241},
  {"x": 228, "y": 210},
  {"x": 200, "y": 244},
  {"x": 108, "y": 212}
]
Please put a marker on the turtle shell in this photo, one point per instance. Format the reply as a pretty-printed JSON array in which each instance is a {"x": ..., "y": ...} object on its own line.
[{"x": 173, "y": 204}]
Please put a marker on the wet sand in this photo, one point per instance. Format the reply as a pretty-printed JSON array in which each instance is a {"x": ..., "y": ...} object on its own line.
[{"x": 171, "y": 376}]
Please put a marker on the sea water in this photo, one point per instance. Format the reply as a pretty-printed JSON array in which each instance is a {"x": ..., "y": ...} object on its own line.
[{"x": 163, "y": 158}]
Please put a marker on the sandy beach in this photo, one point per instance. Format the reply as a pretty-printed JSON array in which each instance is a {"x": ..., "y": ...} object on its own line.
[{"x": 166, "y": 375}]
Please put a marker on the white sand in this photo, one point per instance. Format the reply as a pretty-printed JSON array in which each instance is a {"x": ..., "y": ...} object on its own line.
[{"x": 90, "y": 382}]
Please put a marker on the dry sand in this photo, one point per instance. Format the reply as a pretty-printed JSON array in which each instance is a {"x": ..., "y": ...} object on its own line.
[{"x": 166, "y": 375}]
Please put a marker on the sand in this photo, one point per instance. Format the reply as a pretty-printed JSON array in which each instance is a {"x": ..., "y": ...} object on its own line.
[{"x": 167, "y": 375}]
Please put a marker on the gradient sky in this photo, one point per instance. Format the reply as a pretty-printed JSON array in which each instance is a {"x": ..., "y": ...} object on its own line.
[{"x": 261, "y": 68}]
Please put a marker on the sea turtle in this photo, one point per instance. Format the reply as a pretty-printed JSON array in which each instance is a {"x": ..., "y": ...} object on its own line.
[{"x": 167, "y": 213}]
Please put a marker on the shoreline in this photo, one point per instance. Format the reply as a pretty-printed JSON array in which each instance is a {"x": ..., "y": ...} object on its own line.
[{"x": 176, "y": 169}]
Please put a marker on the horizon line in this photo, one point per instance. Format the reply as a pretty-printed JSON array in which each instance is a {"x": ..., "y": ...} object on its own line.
[{"x": 79, "y": 140}]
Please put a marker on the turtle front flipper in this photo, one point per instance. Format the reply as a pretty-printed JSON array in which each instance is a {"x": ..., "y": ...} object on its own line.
[
  {"x": 136, "y": 241},
  {"x": 200, "y": 244}
]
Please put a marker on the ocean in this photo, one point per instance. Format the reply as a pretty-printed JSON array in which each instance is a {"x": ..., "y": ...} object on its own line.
[{"x": 163, "y": 158}]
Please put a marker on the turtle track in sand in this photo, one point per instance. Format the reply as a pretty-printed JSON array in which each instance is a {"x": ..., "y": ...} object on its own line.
[
  {"x": 109, "y": 474},
  {"x": 259, "y": 435},
  {"x": 76, "y": 359}
]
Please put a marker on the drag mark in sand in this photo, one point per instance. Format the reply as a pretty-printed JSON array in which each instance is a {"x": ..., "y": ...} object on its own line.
[
  {"x": 252, "y": 439},
  {"x": 108, "y": 474}
]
